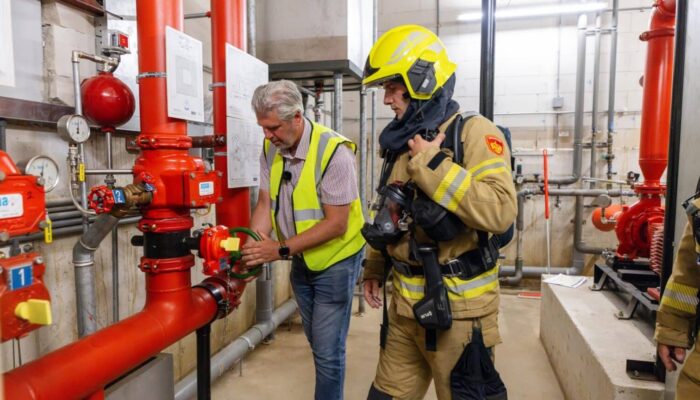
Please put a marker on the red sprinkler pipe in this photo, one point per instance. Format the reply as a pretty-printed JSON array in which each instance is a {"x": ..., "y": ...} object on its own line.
[
  {"x": 227, "y": 26},
  {"x": 173, "y": 310},
  {"x": 656, "y": 106}
]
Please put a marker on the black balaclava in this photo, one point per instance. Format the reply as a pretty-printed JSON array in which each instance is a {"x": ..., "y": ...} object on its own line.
[{"x": 420, "y": 116}]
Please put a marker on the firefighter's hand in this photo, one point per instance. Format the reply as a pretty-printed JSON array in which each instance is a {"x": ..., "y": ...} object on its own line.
[
  {"x": 669, "y": 354},
  {"x": 371, "y": 289},
  {"x": 256, "y": 253},
  {"x": 418, "y": 144}
]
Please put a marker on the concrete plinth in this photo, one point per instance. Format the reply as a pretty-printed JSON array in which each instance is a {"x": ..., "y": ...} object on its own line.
[{"x": 588, "y": 347}]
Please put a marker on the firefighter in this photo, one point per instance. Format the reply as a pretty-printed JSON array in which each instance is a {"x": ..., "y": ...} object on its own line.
[
  {"x": 452, "y": 209},
  {"x": 676, "y": 320}
]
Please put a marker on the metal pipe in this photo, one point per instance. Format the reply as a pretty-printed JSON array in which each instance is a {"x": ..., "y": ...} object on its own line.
[
  {"x": 609, "y": 156},
  {"x": 363, "y": 172},
  {"x": 594, "y": 107},
  {"x": 519, "y": 271},
  {"x": 84, "y": 262},
  {"x": 578, "y": 112},
  {"x": 251, "y": 28},
  {"x": 63, "y": 230},
  {"x": 203, "y": 363},
  {"x": 536, "y": 272},
  {"x": 234, "y": 352},
  {"x": 373, "y": 134},
  {"x": 58, "y": 203},
  {"x": 3, "y": 135},
  {"x": 198, "y": 15},
  {"x": 110, "y": 181},
  {"x": 109, "y": 171},
  {"x": 338, "y": 102},
  {"x": 488, "y": 48},
  {"x": 58, "y": 216},
  {"x": 264, "y": 296}
]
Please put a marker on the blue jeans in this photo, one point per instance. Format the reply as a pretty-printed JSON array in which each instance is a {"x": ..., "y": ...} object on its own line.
[{"x": 325, "y": 303}]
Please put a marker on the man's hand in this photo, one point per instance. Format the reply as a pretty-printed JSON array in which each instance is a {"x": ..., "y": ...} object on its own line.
[
  {"x": 256, "y": 253},
  {"x": 669, "y": 354},
  {"x": 418, "y": 144},
  {"x": 371, "y": 291}
]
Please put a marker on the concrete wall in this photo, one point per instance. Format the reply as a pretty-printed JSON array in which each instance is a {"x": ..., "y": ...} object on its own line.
[
  {"x": 64, "y": 30},
  {"x": 535, "y": 62}
]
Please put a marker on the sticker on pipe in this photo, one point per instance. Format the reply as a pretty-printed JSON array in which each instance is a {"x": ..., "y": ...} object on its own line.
[
  {"x": 11, "y": 206},
  {"x": 206, "y": 188}
]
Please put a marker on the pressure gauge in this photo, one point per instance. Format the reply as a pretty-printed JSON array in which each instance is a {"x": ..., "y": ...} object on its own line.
[
  {"x": 45, "y": 169},
  {"x": 74, "y": 127}
]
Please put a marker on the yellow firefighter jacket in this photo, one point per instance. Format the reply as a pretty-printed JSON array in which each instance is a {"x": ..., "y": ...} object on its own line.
[
  {"x": 675, "y": 319},
  {"x": 480, "y": 192}
]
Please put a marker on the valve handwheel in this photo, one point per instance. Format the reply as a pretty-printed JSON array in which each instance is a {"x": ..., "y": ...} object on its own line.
[{"x": 101, "y": 199}]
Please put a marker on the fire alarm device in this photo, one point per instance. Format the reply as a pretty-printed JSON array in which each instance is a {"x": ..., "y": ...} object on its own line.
[{"x": 115, "y": 42}]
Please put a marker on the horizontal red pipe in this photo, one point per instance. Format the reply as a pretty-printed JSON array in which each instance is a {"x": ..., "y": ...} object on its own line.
[{"x": 173, "y": 310}]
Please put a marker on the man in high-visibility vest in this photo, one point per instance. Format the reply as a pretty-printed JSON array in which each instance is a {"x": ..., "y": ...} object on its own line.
[
  {"x": 456, "y": 208},
  {"x": 309, "y": 199},
  {"x": 676, "y": 319}
]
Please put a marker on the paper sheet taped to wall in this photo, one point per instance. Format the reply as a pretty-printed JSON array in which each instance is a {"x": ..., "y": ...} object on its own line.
[
  {"x": 7, "y": 61},
  {"x": 244, "y": 137}
]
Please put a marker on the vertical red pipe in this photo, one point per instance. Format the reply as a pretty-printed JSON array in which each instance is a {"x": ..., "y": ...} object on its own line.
[
  {"x": 656, "y": 107},
  {"x": 227, "y": 26}
]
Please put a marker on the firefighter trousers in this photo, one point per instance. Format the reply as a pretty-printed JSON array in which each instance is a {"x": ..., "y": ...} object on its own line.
[{"x": 689, "y": 379}]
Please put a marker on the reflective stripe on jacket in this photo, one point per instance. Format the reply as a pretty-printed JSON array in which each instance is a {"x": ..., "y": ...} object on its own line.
[{"x": 306, "y": 202}]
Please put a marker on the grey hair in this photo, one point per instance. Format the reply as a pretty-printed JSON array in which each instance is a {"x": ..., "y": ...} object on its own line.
[{"x": 282, "y": 96}]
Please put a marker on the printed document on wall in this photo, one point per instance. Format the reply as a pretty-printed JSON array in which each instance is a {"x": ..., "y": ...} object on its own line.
[
  {"x": 244, "y": 137},
  {"x": 7, "y": 60},
  {"x": 183, "y": 65},
  {"x": 244, "y": 144}
]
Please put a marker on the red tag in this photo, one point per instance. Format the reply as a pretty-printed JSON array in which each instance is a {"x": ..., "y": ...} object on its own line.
[
  {"x": 124, "y": 41},
  {"x": 495, "y": 145}
]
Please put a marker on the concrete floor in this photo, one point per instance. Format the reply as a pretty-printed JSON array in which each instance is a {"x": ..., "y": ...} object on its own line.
[{"x": 284, "y": 369}]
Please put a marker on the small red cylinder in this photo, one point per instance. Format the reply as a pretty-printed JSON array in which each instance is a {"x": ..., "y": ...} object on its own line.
[{"x": 107, "y": 101}]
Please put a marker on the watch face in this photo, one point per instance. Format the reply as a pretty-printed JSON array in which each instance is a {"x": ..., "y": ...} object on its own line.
[{"x": 284, "y": 252}]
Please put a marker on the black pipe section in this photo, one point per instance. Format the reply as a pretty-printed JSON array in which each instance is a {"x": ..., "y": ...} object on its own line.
[
  {"x": 3, "y": 135},
  {"x": 674, "y": 142},
  {"x": 488, "y": 48},
  {"x": 75, "y": 226},
  {"x": 203, "y": 363}
]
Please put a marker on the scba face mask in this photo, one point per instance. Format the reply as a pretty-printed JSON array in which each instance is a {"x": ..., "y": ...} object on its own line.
[{"x": 390, "y": 223}]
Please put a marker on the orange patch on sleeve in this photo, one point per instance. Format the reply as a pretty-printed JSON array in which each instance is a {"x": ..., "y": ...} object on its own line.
[{"x": 495, "y": 145}]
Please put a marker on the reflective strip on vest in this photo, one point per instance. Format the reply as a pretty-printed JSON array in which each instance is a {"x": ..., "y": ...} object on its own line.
[
  {"x": 414, "y": 287},
  {"x": 681, "y": 297},
  {"x": 453, "y": 187}
]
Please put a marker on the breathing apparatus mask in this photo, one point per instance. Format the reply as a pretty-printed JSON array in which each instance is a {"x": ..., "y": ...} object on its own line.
[{"x": 391, "y": 214}]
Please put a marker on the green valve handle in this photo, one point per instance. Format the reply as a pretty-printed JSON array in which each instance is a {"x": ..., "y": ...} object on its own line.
[{"x": 236, "y": 255}]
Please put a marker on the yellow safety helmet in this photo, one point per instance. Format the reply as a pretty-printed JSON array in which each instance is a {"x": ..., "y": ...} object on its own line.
[{"x": 413, "y": 53}]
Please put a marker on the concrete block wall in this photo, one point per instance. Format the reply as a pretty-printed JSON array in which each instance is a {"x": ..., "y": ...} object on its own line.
[
  {"x": 535, "y": 62},
  {"x": 66, "y": 29}
]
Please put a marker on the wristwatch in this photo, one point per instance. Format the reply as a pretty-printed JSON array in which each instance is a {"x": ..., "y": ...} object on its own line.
[{"x": 284, "y": 251}]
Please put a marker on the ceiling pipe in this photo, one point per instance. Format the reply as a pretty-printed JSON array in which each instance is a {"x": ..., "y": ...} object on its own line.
[{"x": 488, "y": 57}]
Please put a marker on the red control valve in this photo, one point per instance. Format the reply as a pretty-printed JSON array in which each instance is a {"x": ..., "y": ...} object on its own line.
[
  {"x": 215, "y": 247},
  {"x": 101, "y": 199}
]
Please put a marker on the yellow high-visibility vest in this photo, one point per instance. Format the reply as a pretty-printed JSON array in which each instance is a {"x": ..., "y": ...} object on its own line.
[{"x": 306, "y": 202}]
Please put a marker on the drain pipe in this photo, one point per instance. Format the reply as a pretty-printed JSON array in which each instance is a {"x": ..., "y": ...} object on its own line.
[
  {"x": 594, "y": 108},
  {"x": 84, "y": 263},
  {"x": 234, "y": 352},
  {"x": 609, "y": 156},
  {"x": 519, "y": 226}
]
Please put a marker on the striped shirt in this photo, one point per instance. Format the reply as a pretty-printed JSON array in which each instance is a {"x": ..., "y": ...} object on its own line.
[{"x": 338, "y": 184}]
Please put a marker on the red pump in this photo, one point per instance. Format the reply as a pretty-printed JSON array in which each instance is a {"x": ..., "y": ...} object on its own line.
[{"x": 633, "y": 226}]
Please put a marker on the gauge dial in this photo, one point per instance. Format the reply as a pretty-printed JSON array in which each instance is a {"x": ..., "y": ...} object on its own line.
[
  {"x": 75, "y": 127},
  {"x": 45, "y": 169}
]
